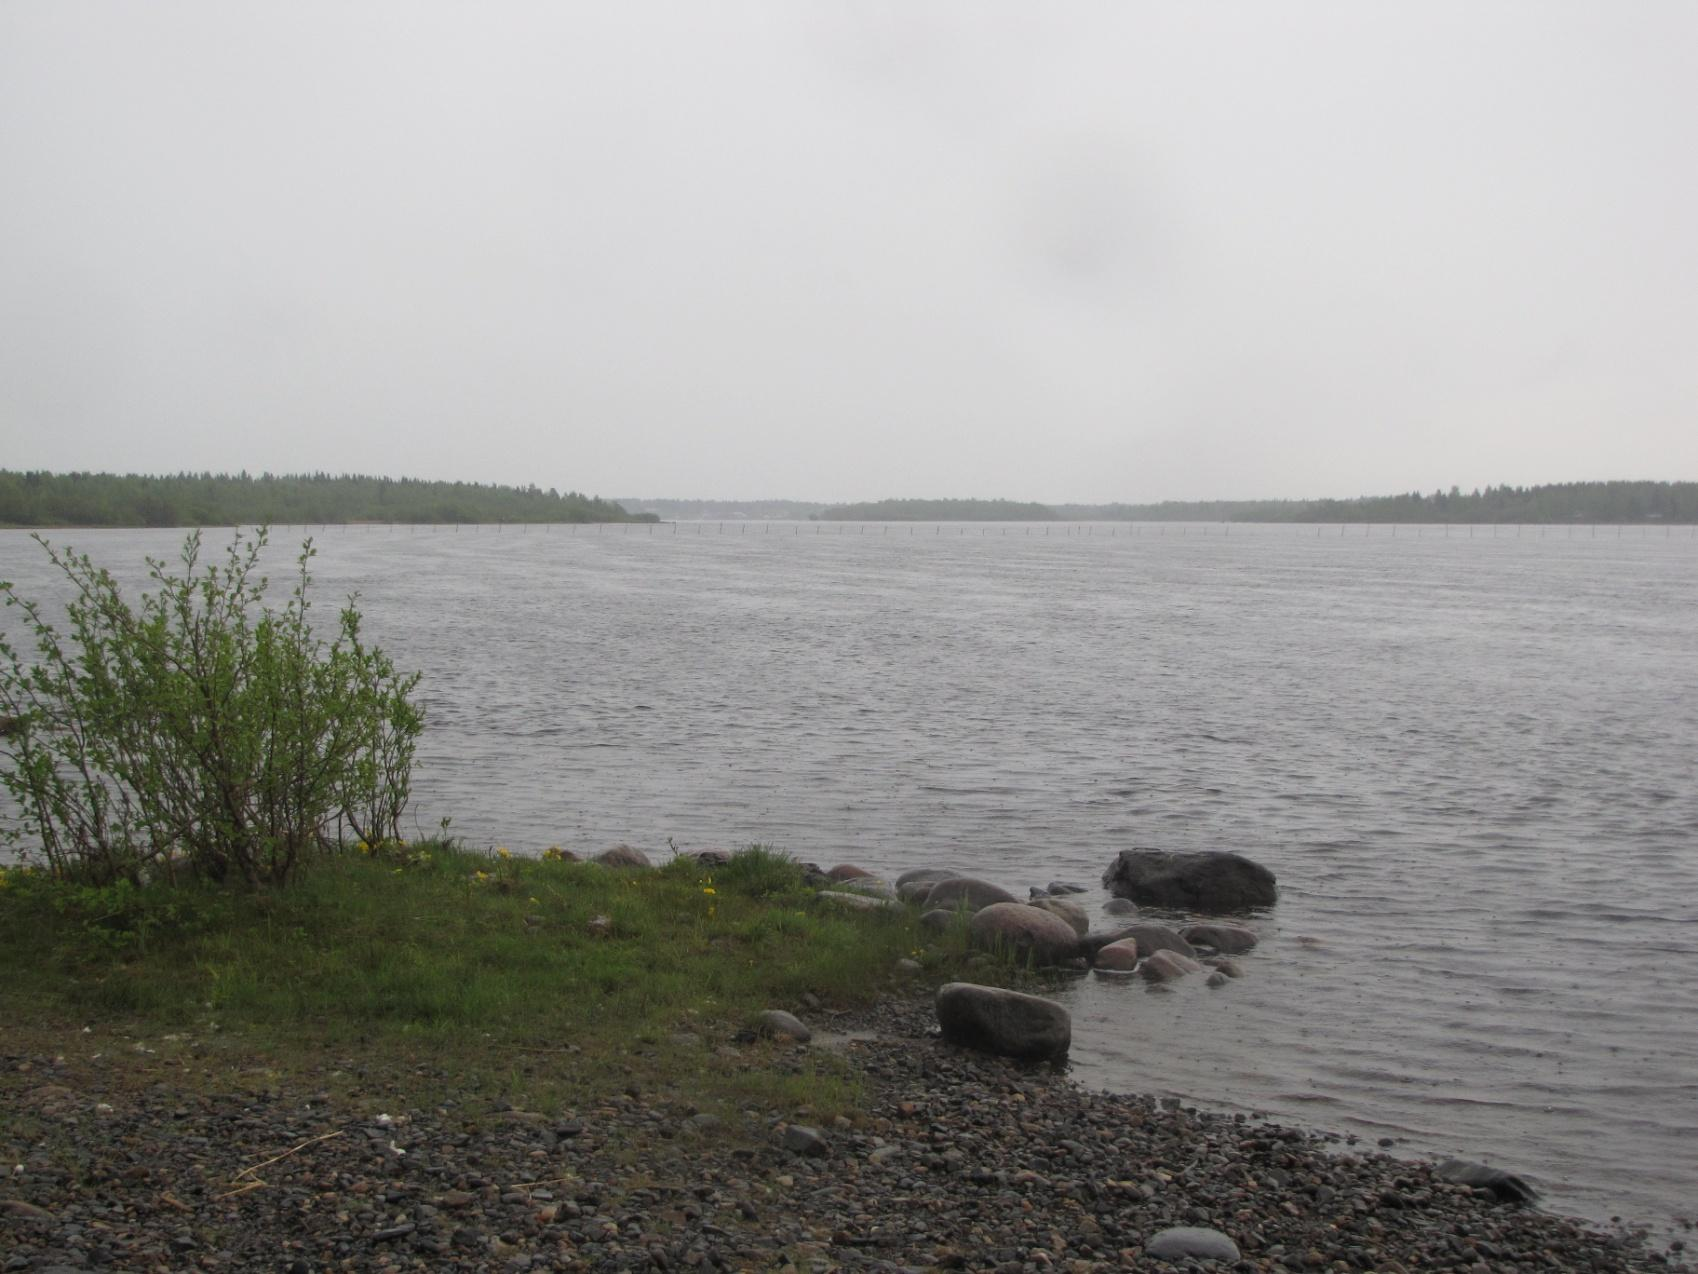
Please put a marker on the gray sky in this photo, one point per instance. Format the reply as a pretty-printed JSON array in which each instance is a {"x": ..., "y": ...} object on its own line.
[{"x": 1056, "y": 251}]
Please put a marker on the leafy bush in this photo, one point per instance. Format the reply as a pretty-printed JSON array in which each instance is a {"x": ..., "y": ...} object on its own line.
[{"x": 200, "y": 730}]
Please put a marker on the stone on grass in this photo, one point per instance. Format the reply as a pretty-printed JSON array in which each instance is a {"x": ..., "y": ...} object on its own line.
[
  {"x": 788, "y": 1025},
  {"x": 1024, "y": 929},
  {"x": 1214, "y": 883},
  {"x": 1226, "y": 939},
  {"x": 937, "y": 921},
  {"x": 623, "y": 856},
  {"x": 1122, "y": 955},
  {"x": 1007, "y": 1023},
  {"x": 1068, "y": 910},
  {"x": 1165, "y": 966},
  {"x": 871, "y": 886},
  {"x": 914, "y": 890},
  {"x": 1195, "y": 1242},
  {"x": 968, "y": 892},
  {"x": 800, "y": 1139},
  {"x": 857, "y": 902}
]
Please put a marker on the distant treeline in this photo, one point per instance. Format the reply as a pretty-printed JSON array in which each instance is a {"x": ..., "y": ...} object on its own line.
[
  {"x": 1606, "y": 502},
  {"x": 939, "y": 511},
  {"x": 218, "y": 499}
]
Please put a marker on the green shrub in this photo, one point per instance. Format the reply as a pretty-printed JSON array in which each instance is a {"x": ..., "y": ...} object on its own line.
[{"x": 199, "y": 730}]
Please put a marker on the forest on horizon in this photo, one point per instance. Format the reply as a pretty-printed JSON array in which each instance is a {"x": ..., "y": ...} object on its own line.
[
  {"x": 39, "y": 498},
  {"x": 43, "y": 499}
]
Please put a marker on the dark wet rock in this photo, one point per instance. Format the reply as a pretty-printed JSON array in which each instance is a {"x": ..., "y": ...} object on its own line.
[
  {"x": 1190, "y": 1242},
  {"x": 1071, "y": 912},
  {"x": 1007, "y": 1023},
  {"x": 1226, "y": 939},
  {"x": 966, "y": 892},
  {"x": 1028, "y": 931},
  {"x": 786, "y": 1025},
  {"x": 1213, "y": 883},
  {"x": 1166, "y": 966},
  {"x": 1060, "y": 887},
  {"x": 624, "y": 856},
  {"x": 846, "y": 871},
  {"x": 1504, "y": 1186},
  {"x": 927, "y": 875},
  {"x": 1120, "y": 907}
]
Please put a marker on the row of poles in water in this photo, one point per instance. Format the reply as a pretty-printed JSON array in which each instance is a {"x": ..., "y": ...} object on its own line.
[{"x": 1093, "y": 530}]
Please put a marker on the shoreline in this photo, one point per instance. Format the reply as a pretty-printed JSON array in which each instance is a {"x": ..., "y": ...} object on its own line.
[{"x": 954, "y": 1160}]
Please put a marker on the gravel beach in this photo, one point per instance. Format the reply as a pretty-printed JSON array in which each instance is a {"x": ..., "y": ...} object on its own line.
[{"x": 959, "y": 1161}]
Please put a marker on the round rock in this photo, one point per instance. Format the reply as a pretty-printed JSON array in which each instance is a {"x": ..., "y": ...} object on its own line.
[
  {"x": 1028, "y": 930},
  {"x": 1068, "y": 910},
  {"x": 968, "y": 892},
  {"x": 1008, "y": 1023},
  {"x": 623, "y": 856},
  {"x": 1191, "y": 1241}
]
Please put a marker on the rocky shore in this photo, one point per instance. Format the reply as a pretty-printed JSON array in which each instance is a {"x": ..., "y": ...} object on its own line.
[{"x": 959, "y": 1161}]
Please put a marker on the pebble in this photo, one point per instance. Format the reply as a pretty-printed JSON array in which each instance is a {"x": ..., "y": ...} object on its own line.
[{"x": 954, "y": 1160}]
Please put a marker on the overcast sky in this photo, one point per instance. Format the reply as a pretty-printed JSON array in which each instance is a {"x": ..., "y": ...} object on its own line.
[{"x": 1056, "y": 251}]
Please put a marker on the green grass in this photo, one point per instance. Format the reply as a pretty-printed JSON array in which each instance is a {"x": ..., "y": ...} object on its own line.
[{"x": 473, "y": 970}]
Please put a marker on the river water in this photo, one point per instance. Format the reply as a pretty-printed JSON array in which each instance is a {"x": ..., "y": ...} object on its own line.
[{"x": 1471, "y": 758}]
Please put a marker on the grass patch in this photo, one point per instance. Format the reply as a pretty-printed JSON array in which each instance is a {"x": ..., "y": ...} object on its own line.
[{"x": 542, "y": 981}]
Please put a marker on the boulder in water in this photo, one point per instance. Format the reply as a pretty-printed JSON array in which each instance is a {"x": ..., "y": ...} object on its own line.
[
  {"x": 1505, "y": 1187},
  {"x": 1226, "y": 939},
  {"x": 1165, "y": 966},
  {"x": 1212, "y": 883},
  {"x": 1120, "y": 957}
]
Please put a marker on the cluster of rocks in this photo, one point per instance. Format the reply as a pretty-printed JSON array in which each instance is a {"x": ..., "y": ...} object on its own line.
[
  {"x": 1050, "y": 928},
  {"x": 955, "y": 1160}
]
